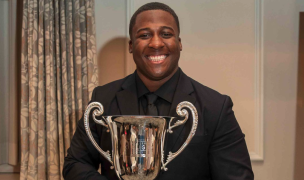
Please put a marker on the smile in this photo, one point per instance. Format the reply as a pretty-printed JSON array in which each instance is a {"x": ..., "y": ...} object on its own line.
[{"x": 157, "y": 59}]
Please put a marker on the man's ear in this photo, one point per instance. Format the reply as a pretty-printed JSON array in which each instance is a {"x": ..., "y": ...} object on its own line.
[
  {"x": 130, "y": 46},
  {"x": 180, "y": 44}
]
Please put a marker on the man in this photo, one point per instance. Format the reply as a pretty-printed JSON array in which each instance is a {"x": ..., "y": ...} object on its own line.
[{"x": 217, "y": 151}]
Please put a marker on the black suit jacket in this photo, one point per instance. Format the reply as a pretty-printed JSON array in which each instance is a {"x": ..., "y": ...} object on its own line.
[{"x": 217, "y": 151}]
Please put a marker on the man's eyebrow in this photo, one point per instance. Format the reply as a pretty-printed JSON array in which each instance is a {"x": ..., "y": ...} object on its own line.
[
  {"x": 167, "y": 27},
  {"x": 142, "y": 29},
  {"x": 162, "y": 27}
]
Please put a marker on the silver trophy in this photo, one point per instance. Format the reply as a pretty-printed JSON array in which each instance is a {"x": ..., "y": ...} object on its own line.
[{"x": 138, "y": 141}]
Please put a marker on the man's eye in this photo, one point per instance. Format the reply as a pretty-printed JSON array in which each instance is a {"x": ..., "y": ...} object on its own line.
[
  {"x": 167, "y": 35},
  {"x": 144, "y": 36}
]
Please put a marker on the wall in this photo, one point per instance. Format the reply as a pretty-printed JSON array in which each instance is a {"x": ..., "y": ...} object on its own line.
[
  {"x": 110, "y": 39},
  {"x": 281, "y": 24},
  {"x": 243, "y": 45}
]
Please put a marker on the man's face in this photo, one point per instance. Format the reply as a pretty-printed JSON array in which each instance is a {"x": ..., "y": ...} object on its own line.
[{"x": 155, "y": 44}]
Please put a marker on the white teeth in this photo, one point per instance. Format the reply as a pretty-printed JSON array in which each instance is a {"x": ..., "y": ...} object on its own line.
[{"x": 157, "y": 58}]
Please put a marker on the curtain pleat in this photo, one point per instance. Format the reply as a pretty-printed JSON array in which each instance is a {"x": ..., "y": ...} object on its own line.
[
  {"x": 58, "y": 73},
  {"x": 71, "y": 124},
  {"x": 64, "y": 140},
  {"x": 91, "y": 46},
  {"x": 33, "y": 88},
  {"x": 78, "y": 58},
  {"x": 41, "y": 167},
  {"x": 24, "y": 114}
]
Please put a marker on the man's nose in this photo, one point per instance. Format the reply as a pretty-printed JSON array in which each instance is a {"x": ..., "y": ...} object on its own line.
[{"x": 156, "y": 42}]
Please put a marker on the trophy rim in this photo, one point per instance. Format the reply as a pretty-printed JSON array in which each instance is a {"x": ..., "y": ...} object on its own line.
[{"x": 137, "y": 116}]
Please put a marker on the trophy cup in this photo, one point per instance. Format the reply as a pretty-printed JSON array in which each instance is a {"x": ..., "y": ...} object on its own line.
[{"x": 138, "y": 141}]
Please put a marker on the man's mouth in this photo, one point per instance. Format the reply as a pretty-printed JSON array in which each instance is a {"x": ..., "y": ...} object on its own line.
[{"x": 157, "y": 59}]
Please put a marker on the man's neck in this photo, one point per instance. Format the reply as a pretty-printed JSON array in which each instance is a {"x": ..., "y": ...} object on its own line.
[{"x": 153, "y": 85}]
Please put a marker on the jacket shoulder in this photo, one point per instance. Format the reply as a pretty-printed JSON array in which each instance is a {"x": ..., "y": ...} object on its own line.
[
  {"x": 211, "y": 100},
  {"x": 107, "y": 89},
  {"x": 207, "y": 94},
  {"x": 213, "y": 103}
]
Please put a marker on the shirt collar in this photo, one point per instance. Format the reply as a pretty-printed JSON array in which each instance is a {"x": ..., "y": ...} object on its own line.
[
  {"x": 141, "y": 88},
  {"x": 166, "y": 91}
]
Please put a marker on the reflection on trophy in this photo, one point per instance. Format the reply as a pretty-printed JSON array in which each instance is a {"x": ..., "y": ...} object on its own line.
[{"x": 138, "y": 141}]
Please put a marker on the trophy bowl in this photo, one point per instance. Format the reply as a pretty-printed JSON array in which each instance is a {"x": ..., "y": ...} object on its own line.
[{"x": 138, "y": 141}]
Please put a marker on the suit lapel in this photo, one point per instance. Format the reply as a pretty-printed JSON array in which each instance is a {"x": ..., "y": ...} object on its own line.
[
  {"x": 183, "y": 93},
  {"x": 127, "y": 98}
]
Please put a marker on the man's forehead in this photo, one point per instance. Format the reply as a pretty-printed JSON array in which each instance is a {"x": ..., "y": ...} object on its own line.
[{"x": 160, "y": 17}]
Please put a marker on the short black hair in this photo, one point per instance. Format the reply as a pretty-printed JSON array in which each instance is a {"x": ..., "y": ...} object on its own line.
[{"x": 152, "y": 6}]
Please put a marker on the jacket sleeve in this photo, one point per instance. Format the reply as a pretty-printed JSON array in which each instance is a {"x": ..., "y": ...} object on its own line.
[
  {"x": 228, "y": 155},
  {"x": 82, "y": 160}
]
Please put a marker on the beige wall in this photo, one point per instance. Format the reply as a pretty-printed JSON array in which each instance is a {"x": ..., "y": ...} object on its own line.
[
  {"x": 281, "y": 23},
  {"x": 110, "y": 39},
  {"x": 248, "y": 50}
]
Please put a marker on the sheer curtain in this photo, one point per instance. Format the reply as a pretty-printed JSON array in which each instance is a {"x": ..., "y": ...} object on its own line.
[{"x": 58, "y": 74}]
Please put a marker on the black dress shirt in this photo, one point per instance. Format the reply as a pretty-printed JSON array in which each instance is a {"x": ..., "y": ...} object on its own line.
[{"x": 165, "y": 95}]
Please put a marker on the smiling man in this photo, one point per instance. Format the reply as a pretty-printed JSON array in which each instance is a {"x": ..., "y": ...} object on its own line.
[
  {"x": 217, "y": 151},
  {"x": 156, "y": 46}
]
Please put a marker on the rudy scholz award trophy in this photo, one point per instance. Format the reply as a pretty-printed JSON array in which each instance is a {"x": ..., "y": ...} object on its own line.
[{"x": 138, "y": 141}]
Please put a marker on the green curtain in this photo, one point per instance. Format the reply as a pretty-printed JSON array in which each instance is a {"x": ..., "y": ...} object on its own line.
[{"x": 58, "y": 74}]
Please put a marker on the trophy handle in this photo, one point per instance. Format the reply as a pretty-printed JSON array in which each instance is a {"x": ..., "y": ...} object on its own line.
[
  {"x": 183, "y": 113},
  {"x": 96, "y": 112}
]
